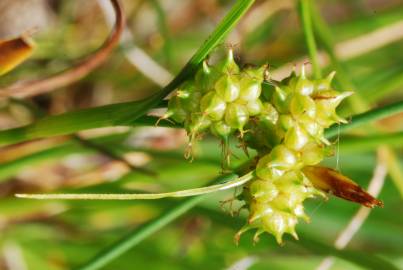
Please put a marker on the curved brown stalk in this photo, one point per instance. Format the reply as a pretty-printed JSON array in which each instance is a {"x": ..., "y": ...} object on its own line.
[{"x": 75, "y": 73}]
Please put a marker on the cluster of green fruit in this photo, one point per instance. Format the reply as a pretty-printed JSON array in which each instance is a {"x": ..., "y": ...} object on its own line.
[
  {"x": 284, "y": 124},
  {"x": 221, "y": 98},
  {"x": 289, "y": 142}
]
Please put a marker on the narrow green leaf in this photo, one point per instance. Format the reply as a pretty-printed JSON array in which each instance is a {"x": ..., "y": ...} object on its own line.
[
  {"x": 164, "y": 30},
  {"x": 71, "y": 122},
  {"x": 112, "y": 142},
  {"x": 306, "y": 22},
  {"x": 143, "y": 196},
  {"x": 389, "y": 84},
  {"x": 369, "y": 143},
  {"x": 365, "y": 118},
  {"x": 123, "y": 114},
  {"x": 325, "y": 37},
  {"x": 139, "y": 234},
  {"x": 12, "y": 167},
  {"x": 35, "y": 131},
  {"x": 368, "y": 261},
  {"x": 308, "y": 241}
]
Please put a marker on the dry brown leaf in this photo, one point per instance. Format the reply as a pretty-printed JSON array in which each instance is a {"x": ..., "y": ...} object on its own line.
[
  {"x": 13, "y": 52},
  {"x": 333, "y": 182}
]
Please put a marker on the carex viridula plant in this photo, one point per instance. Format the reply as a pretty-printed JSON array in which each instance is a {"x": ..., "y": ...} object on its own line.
[
  {"x": 285, "y": 126},
  {"x": 220, "y": 99},
  {"x": 283, "y": 121}
]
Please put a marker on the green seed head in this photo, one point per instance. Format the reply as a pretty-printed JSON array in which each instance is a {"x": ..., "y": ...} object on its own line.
[
  {"x": 312, "y": 153},
  {"x": 256, "y": 73},
  {"x": 198, "y": 122},
  {"x": 175, "y": 110},
  {"x": 213, "y": 106},
  {"x": 254, "y": 107},
  {"x": 304, "y": 86},
  {"x": 324, "y": 84},
  {"x": 285, "y": 122},
  {"x": 228, "y": 88},
  {"x": 278, "y": 162},
  {"x": 250, "y": 89},
  {"x": 302, "y": 105},
  {"x": 294, "y": 120},
  {"x": 263, "y": 191},
  {"x": 285, "y": 126},
  {"x": 206, "y": 77},
  {"x": 269, "y": 113},
  {"x": 189, "y": 97},
  {"x": 311, "y": 126},
  {"x": 296, "y": 138},
  {"x": 281, "y": 100},
  {"x": 326, "y": 105},
  {"x": 236, "y": 116},
  {"x": 228, "y": 65},
  {"x": 221, "y": 129}
]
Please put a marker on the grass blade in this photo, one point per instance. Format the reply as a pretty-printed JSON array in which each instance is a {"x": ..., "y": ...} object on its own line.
[
  {"x": 308, "y": 242},
  {"x": 144, "y": 196},
  {"x": 124, "y": 113},
  {"x": 359, "y": 258},
  {"x": 106, "y": 116},
  {"x": 306, "y": 22},
  {"x": 34, "y": 131},
  {"x": 364, "y": 118},
  {"x": 368, "y": 143},
  {"x": 139, "y": 234},
  {"x": 325, "y": 37},
  {"x": 75, "y": 121}
]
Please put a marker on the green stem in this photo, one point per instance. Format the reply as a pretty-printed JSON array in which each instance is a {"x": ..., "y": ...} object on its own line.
[
  {"x": 142, "y": 196},
  {"x": 139, "y": 234},
  {"x": 221, "y": 31},
  {"x": 364, "y": 118},
  {"x": 306, "y": 21}
]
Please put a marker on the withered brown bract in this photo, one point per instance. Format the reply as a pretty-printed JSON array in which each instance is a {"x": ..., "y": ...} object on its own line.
[
  {"x": 13, "y": 52},
  {"x": 331, "y": 181}
]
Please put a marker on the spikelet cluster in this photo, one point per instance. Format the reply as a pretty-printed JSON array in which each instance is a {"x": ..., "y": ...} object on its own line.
[
  {"x": 291, "y": 139},
  {"x": 221, "y": 99},
  {"x": 285, "y": 125}
]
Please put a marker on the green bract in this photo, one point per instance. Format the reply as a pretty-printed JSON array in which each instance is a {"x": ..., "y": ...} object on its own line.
[{"x": 285, "y": 127}]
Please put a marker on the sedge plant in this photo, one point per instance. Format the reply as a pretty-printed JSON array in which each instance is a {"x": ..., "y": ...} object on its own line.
[
  {"x": 285, "y": 125},
  {"x": 288, "y": 123}
]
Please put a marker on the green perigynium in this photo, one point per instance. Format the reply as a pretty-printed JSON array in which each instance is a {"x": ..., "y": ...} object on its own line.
[
  {"x": 220, "y": 100},
  {"x": 291, "y": 139},
  {"x": 285, "y": 126}
]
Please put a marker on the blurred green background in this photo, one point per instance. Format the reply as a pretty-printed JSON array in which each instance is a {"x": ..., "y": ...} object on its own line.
[{"x": 368, "y": 39}]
